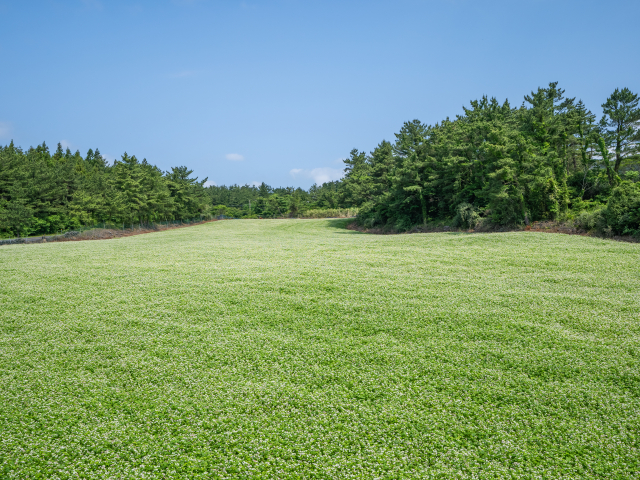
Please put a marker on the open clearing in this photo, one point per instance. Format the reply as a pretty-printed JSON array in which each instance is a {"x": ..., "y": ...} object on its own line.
[{"x": 300, "y": 349}]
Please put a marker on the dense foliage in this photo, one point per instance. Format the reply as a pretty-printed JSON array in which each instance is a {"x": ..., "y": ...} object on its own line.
[
  {"x": 494, "y": 164},
  {"x": 265, "y": 201},
  {"x": 547, "y": 159},
  {"x": 42, "y": 193}
]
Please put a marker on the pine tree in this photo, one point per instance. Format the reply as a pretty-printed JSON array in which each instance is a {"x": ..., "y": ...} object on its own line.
[{"x": 621, "y": 124}]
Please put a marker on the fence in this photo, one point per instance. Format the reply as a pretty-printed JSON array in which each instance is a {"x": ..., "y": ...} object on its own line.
[{"x": 105, "y": 230}]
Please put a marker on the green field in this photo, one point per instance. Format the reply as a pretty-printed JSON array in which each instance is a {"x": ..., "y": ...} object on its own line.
[{"x": 300, "y": 349}]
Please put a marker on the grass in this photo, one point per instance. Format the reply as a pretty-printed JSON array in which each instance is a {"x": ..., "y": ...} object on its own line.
[{"x": 299, "y": 349}]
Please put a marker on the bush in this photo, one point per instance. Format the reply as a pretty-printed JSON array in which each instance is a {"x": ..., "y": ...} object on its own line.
[
  {"x": 330, "y": 213},
  {"x": 370, "y": 222},
  {"x": 590, "y": 220},
  {"x": 401, "y": 223},
  {"x": 466, "y": 216},
  {"x": 622, "y": 214},
  {"x": 219, "y": 210}
]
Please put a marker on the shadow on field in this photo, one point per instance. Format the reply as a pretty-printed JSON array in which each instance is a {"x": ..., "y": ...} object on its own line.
[
  {"x": 343, "y": 224},
  {"x": 536, "y": 227},
  {"x": 349, "y": 226}
]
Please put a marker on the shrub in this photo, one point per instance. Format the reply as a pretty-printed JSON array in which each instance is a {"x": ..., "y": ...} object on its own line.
[
  {"x": 369, "y": 222},
  {"x": 219, "y": 209},
  {"x": 231, "y": 212},
  {"x": 330, "y": 213},
  {"x": 622, "y": 214},
  {"x": 466, "y": 216},
  {"x": 590, "y": 220}
]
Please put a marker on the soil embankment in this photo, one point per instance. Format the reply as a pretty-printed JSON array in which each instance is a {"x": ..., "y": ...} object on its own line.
[
  {"x": 99, "y": 234},
  {"x": 541, "y": 226}
]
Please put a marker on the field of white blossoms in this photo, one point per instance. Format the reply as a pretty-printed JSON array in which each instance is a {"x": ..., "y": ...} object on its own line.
[{"x": 299, "y": 349}]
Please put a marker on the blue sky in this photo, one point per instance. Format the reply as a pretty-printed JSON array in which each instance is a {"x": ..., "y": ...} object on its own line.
[{"x": 280, "y": 91}]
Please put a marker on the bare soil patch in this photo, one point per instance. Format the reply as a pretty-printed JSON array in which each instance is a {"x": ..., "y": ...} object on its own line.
[{"x": 106, "y": 233}]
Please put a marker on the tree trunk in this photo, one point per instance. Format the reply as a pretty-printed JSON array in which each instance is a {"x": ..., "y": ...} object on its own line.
[{"x": 618, "y": 155}]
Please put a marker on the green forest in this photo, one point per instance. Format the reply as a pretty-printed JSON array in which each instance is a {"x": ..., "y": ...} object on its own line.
[
  {"x": 43, "y": 193},
  {"x": 501, "y": 165},
  {"x": 494, "y": 164}
]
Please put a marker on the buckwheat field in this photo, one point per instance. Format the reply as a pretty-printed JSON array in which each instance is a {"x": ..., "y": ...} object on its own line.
[{"x": 300, "y": 349}]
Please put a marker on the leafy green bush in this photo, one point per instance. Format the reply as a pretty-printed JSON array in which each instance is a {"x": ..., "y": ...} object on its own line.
[
  {"x": 622, "y": 213},
  {"x": 621, "y": 216},
  {"x": 228, "y": 211},
  {"x": 219, "y": 210},
  {"x": 369, "y": 222},
  {"x": 590, "y": 220},
  {"x": 466, "y": 216},
  {"x": 330, "y": 213}
]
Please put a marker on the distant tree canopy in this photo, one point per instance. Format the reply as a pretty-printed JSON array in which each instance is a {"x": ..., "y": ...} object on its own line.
[
  {"x": 546, "y": 159},
  {"x": 265, "y": 201}
]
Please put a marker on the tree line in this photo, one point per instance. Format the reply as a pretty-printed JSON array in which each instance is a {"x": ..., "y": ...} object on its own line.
[
  {"x": 43, "y": 193},
  {"x": 250, "y": 201},
  {"x": 546, "y": 159},
  {"x": 493, "y": 164}
]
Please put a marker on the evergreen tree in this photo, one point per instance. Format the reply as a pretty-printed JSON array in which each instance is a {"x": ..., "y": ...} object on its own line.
[
  {"x": 264, "y": 190},
  {"x": 508, "y": 165},
  {"x": 621, "y": 124}
]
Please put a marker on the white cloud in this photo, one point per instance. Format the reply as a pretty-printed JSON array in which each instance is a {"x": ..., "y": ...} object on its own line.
[
  {"x": 318, "y": 175},
  {"x": 210, "y": 183},
  {"x": 234, "y": 157},
  {"x": 6, "y": 129},
  {"x": 66, "y": 144},
  {"x": 256, "y": 184}
]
